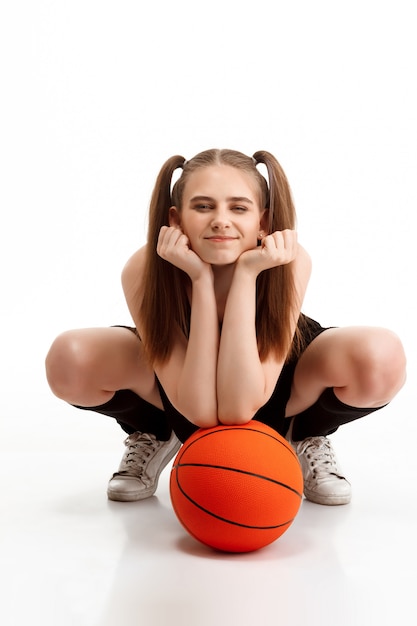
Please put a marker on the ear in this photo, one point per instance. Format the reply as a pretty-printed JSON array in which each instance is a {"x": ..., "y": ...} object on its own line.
[
  {"x": 264, "y": 222},
  {"x": 174, "y": 217}
]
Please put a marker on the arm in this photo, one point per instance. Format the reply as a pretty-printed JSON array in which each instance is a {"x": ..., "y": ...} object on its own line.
[
  {"x": 189, "y": 375},
  {"x": 244, "y": 383}
]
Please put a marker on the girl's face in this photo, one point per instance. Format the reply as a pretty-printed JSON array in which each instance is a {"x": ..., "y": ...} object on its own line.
[{"x": 220, "y": 213}]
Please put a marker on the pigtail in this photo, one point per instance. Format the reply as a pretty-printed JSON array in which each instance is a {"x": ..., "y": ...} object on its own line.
[
  {"x": 276, "y": 293},
  {"x": 282, "y": 211},
  {"x": 161, "y": 199},
  {"x": 163, "y": 300}
]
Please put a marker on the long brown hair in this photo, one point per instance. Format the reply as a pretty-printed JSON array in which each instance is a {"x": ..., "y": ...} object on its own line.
[{"x": 165, "y": 306}]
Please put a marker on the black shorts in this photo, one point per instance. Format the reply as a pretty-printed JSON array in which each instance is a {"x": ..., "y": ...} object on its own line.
[{"x": 272, "y": 413}]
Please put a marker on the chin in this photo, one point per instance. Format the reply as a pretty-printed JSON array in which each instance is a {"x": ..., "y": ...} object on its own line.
[{"x": 220, "y": 258}]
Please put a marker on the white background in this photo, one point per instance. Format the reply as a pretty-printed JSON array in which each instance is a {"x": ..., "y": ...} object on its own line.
[{"x": 96, "y": 95}]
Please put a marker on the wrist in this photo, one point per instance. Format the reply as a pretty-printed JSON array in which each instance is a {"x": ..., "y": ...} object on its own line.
[
  {"x": 245, "y": 271},
  {"x": 204, "y": 276}
]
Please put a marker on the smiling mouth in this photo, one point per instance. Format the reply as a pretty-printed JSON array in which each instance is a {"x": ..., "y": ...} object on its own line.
[{"x": 220, "y": 239}]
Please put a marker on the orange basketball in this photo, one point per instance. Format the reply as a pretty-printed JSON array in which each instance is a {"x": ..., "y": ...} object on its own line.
[{"x": 236, "y": 488}]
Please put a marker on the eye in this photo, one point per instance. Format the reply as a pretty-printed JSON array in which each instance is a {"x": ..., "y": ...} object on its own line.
[
  {"x": 202, "y": 207},
  {"x": 239, "y": 209}
]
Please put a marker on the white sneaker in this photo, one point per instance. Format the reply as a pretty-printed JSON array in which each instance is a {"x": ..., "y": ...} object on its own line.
[
  {"x": 142, "y": 463},
  {"x": 323, "y": 481}
]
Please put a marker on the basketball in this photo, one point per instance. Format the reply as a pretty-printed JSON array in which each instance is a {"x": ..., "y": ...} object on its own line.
[{"x": 236, "y": 488}]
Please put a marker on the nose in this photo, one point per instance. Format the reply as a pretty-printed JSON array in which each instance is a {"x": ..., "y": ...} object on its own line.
[{"x": 220, "y": 220}]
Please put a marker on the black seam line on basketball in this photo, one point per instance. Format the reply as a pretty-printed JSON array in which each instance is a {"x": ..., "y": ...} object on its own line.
[
  {"x": 238, "y": 471},
  {"x": 253, "y": 430},
  {"x": 228, "y": 521}
]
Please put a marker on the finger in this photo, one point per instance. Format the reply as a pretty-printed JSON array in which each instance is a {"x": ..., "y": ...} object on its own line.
[
  {"x": 164, "y": 240},
  {"x": 291, "y": 235},
  {"x": 161, "y": 238},
  {"x": 172, "y": 243},
  {"x": 292, "y": 242},
  {"x": 274, "y": 242},
  {"x": 168, "y": 235},
  {"x": 285, "y": 240}
]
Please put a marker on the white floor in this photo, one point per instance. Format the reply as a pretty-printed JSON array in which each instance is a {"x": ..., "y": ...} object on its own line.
[
  {"x": 80, "y": 149},
  {"x": 69, "y": 557}
]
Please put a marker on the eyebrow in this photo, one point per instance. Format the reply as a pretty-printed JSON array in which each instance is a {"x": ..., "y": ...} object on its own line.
[{"x": 230, "y": 199}]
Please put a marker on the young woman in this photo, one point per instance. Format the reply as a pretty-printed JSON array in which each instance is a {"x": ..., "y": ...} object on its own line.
[{"x": 219, "y": 336}]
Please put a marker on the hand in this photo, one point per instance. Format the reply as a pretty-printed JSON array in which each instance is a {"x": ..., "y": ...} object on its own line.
[
  {"x": 174, "y": 247},
  {"x": 279, "y": 248}
]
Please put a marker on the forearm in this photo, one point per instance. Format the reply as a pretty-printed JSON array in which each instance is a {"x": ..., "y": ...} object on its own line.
[
  {"x": 241, "y": 383},
  {"x": 189, "y": 376},
  {"x": 196, "y": 386}
]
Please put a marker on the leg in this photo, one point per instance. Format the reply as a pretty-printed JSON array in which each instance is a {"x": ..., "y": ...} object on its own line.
[
  {"x": 341, "y": 370},
  {"x": 365, "y": 367},
  {"x": 104, "y": 369},
  {"x": 86, "y": 367}
]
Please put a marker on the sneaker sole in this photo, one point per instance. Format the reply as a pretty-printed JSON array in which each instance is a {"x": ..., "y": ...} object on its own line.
[
  {"x": 122, "y": 496},
  {"x": 136, "y": 496},
  {"x": 326, "y": 500}
]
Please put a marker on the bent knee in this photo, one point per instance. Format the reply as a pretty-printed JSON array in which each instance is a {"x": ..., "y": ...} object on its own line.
[
  {"x": 383, "y": 362},
  {"x": 68, "y": 365}
]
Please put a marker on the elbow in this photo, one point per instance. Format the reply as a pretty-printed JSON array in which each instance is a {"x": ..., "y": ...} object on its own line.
[
  {"x": 236, "y": 415},
  {"x": 203, "y": 418},
  {"x": 205, "y": 422}
]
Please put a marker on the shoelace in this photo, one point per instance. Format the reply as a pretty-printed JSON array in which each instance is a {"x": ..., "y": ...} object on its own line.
[
  {"x": 320, "y": 455},
  {"x": 139, "y": 448}
]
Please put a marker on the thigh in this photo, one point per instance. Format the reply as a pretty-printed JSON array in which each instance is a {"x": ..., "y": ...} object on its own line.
[
  {"x": 314, "y": 370},
  {"x": 357, "y": 361},
  {"x": 86, "y": 366},
  {"x": 274, "y": 412}
]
